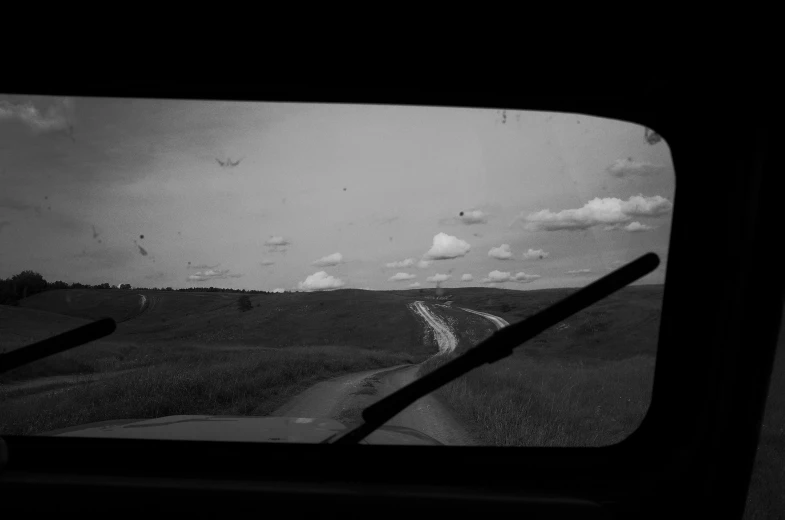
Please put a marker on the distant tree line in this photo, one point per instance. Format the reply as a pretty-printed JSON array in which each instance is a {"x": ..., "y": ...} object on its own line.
[{"x": 28, "y": 283}]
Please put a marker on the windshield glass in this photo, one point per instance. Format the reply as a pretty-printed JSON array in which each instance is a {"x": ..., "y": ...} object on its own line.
[{"x": 274, "y": 268}]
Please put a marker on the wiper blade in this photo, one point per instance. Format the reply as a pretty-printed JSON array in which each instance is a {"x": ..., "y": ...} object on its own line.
[
  {"x": 496, "y": 347},
  {"x": 61, "y": 342}
]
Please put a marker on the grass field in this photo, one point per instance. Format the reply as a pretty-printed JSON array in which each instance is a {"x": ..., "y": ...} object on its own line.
[
  {"x": 185, "y": 380},
  {"x": 585, "y": 382}
]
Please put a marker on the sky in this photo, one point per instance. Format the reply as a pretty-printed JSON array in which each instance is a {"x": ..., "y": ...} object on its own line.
[{"x": 324, "y": 196}]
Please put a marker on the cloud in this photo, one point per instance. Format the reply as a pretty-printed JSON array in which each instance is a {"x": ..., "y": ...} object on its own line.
[
  {"x": 438, "y": 278},
  {"x": 447, "y": 246},
  {"x": 202, "y": 266},
  {"x": 473, "y": 217},
  {"x": 329, "y": 260},
  {"x": 640, "y": 206},
  {"x": 501, "y": 253},
  {"x": 532, "y": 254},
  {"x": 608, "y": 211},
  {"x": 408, "y": 262},
  {"x": 468, "y": 218},
  {"x": 629, "y": 168},
  {"x": 632, "y": 227},
  {"x": 276, "y": 241},
  {"x": 424, "y": 264},
  {"x": 467, "y": 278},
  {"x": 415, "y": 284},
  {"x": 496, "y": 276},
  {"x": 501, "y": 276},
  {"x": 54, "y": 117},
  {"x": 319, "y": 282},
  {"x": 400, "y": 277},
  {"x": 212, "y": 274},
  {"x": 523, "y": 277},
  {"x": 579, "y": 271},
  {"x": 267, "y": 262},
  {"x": 277, "y": 290}
]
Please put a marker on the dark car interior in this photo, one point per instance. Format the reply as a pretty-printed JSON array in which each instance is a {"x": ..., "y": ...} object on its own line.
[{"x": 692, "y": 457}]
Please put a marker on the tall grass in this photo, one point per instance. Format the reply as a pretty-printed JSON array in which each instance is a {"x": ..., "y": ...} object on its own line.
[
  {"x": 525, "y": 402},
  {"x": 252, "y": 382}
]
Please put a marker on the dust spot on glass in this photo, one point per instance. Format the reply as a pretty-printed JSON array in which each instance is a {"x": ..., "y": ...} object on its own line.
[
  {"x": 391, "y": 239},
  {"x": 46, "y": 197},
  {"x": 344, "y": 189},
  {"x": 95, "y": 233},
  {"x": 141, "y": 236},
  {"x": 460, "y": 214},
  {"x": 142, "y": 250},
  {"x": 100, "y": 241}
]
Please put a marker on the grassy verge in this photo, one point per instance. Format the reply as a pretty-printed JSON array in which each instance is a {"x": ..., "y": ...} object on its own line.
[
  {"x": 188, "y": 381},
  {"x": 527, "y": 402}
]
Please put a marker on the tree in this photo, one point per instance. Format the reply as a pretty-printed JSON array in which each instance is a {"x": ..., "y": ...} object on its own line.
[
  {"x": 28, "y": 283},
  {"x": 244, "y": 303}
]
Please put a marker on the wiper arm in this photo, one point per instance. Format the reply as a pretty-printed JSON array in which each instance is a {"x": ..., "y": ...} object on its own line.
[
  {"x": 498, "y": 346},
  {"x": 65, "y": 341}
]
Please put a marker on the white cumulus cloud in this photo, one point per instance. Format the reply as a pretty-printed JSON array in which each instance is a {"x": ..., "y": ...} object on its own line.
[
  {"x": 447, "y": 246},
  {"x": 408, "y": 262},
  {"x": 532, "y": 254},
  {"x": 278, "y": 290},
  {"x": 319, "y": 282},
  {"x": 467, "y": 278},
  {"x": 496, "y": 277},
  {"x": 325, "y": 261},
  {"x": 628, "y": 167},
  {"x": 212, "y": 274},
  {"x": 473, "y": 217},
  {"x": 523, "y": 277},
  {"x": 415, "y": 284},
  {"x": 502, "y": 252},
  {"x": 608, "y": 211},
  {"x": 632, "y": 227},
  {"x": 277, "y": 244},
  {"x": 502, "y": 276},
  {"x": 438, "y": 278},
  {"x": 424, "y": 264},
  {"x": 400, "y": 277},
  {"x": 579, "y": 271}
]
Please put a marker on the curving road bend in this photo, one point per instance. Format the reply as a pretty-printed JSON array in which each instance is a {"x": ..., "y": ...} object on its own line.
[
  {"x": 344, "y": 397},
  {"x": 499, "y": 322},
  {"x": 444, "y": 335}
]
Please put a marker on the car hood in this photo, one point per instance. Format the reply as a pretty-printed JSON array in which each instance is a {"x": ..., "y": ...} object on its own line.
[{"x": 307, "y": 430}]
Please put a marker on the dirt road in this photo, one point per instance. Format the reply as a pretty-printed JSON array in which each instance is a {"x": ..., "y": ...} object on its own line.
[
  {"x": 499, "y": 322},
  {"x": 344, "y": 398},
  {"x": 444, "y": 335}
]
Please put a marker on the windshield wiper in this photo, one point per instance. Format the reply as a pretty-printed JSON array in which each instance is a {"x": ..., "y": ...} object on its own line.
[
  {"x": 496, "y": 347},
  {"x": 62, "y": 342}
]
